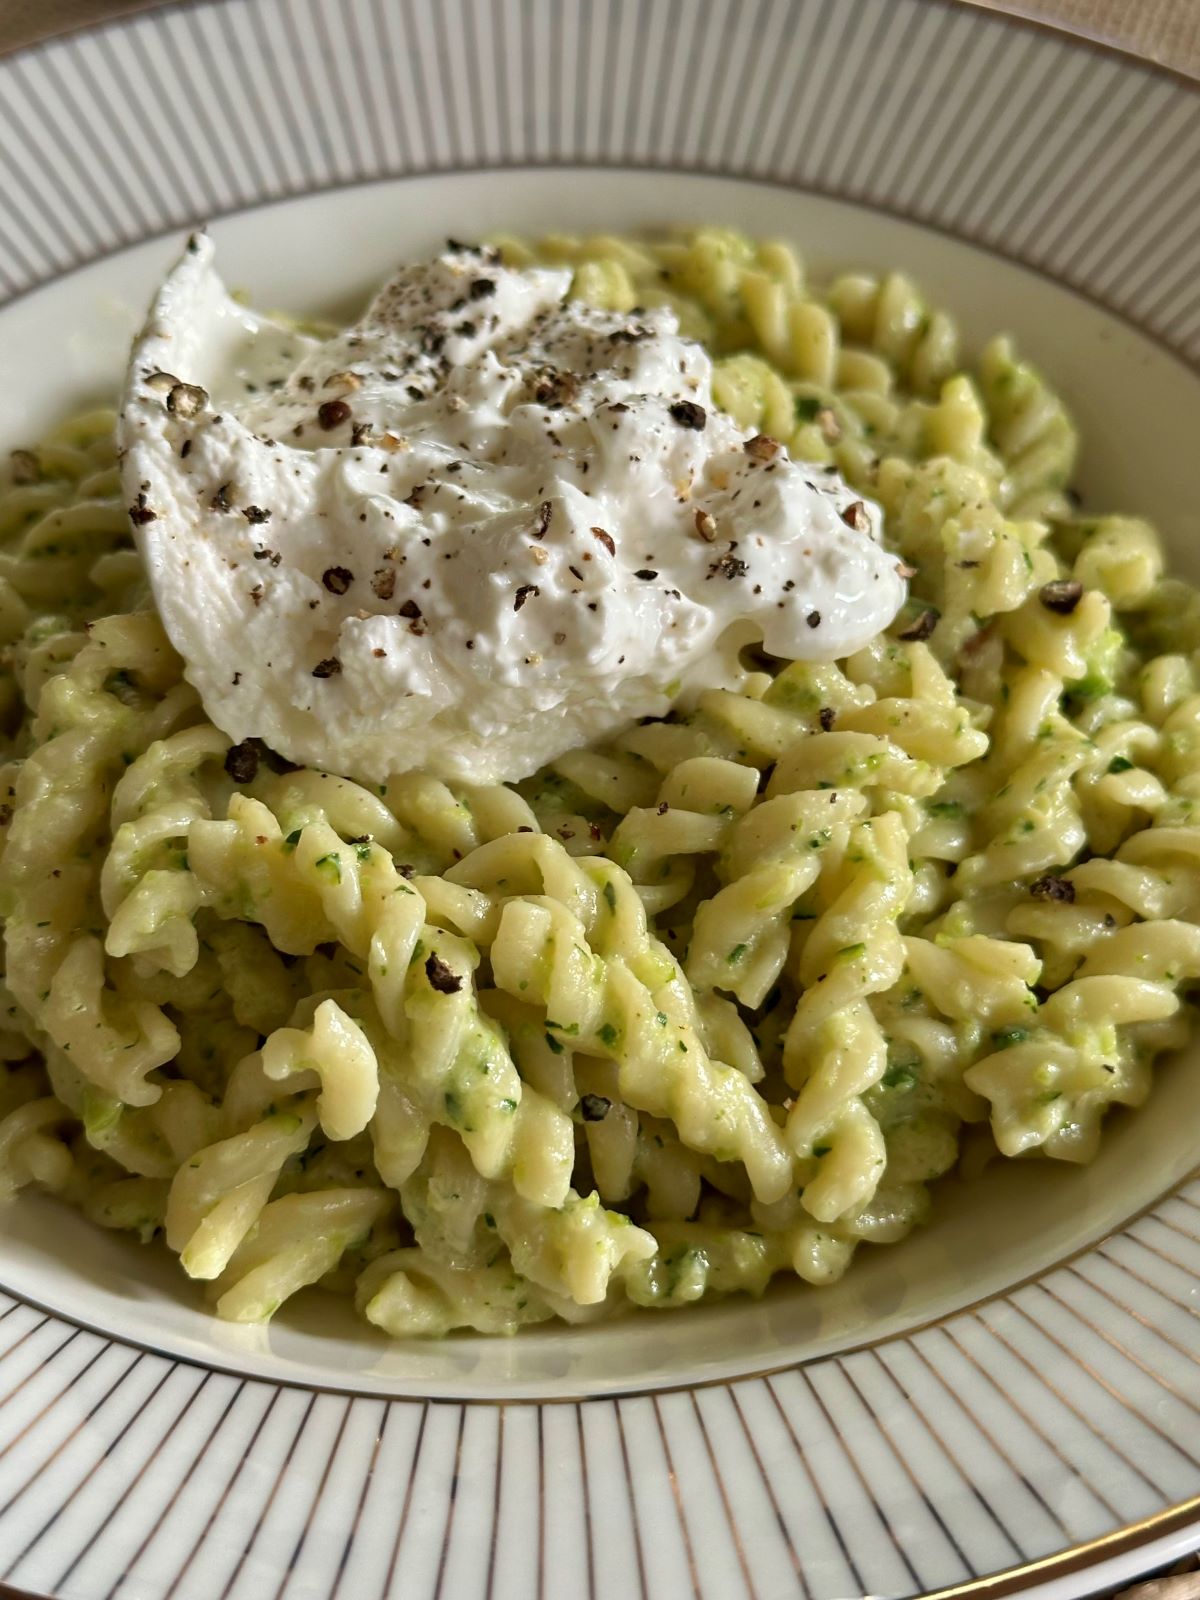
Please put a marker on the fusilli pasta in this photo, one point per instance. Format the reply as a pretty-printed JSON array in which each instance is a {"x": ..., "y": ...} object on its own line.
[{"x": 711, "y": 1003}]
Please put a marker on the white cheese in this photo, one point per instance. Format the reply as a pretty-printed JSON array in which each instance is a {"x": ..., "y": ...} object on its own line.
[{"x": 484, "y": 525}]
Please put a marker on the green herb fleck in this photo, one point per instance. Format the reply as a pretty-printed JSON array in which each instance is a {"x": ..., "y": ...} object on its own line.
[
  {"x": 453, "y": 1106},
  {"x": 1005, "y": 1038},
  {"x": 899, "y": 1077}
]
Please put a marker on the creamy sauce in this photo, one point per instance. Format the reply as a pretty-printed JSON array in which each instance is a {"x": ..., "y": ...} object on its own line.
[{"x": 480, "y": 527}]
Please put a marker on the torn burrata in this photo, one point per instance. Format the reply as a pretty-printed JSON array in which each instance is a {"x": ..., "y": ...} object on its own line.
[{"x": 484, "y": 525}]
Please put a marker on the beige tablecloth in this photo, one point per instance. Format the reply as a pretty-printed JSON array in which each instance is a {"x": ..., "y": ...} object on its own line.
[{"x": 1166, "y": 31}]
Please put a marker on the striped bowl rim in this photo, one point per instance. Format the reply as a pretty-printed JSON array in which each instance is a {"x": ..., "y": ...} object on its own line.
[{"x": 1016, "y": 1442}]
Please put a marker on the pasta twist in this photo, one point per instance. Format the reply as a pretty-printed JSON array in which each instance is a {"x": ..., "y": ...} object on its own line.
[{"x": 834, "y": 1049}]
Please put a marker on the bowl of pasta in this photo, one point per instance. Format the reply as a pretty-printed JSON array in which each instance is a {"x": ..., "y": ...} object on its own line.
[{"x": 598, "y": 873}]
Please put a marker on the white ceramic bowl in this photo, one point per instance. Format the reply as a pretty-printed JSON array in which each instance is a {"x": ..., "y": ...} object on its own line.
[{"x": 1015, "y": 1389}]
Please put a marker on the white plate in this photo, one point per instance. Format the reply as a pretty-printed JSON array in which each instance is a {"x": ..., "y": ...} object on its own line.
[{"x": 1003, "y": 1402}]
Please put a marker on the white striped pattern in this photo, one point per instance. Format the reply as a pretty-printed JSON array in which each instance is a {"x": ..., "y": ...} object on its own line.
[
  {"x": 969, "y": 1448},
  {"x": 1030, "y": 1425},
  {"x": 1024, "y": 1426}
]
